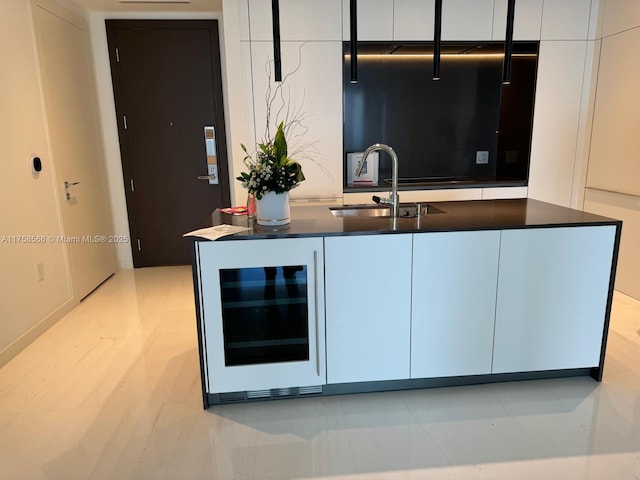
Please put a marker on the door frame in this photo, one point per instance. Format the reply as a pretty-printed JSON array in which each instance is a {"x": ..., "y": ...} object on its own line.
[
  {"x": 93, "y": 230},
  {"x": 221, "y": 137}
]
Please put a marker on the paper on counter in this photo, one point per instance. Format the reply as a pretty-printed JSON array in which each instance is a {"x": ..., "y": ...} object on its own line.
[{"x": 213, "y": 233}]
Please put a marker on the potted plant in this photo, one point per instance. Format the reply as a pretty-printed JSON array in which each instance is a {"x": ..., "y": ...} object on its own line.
[
  {"x": 272, "y": 171},
  {"x": 270, "y": 177}
]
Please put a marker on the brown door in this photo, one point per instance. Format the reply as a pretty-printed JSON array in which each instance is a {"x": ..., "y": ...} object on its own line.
[{"x": 168, "y": 94}]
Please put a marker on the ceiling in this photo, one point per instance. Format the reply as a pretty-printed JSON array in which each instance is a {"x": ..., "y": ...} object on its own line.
[{"x": 147, "y": 6}]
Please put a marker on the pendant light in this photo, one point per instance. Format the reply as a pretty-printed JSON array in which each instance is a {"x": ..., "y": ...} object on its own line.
[
  {"x": 277, "y": 60},
  {"x": 508, "y": 43},
  {"x": 353, "y": 18},
  {"x": 437, "y": 34}
]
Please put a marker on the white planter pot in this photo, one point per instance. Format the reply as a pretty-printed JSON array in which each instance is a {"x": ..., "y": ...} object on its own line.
[{"x": 273, "y": 209}]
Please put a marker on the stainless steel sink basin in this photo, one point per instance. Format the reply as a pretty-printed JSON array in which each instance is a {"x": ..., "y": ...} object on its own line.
[
  {"x": 406, "y": 210},
  {"x": 360, "y": 211}
]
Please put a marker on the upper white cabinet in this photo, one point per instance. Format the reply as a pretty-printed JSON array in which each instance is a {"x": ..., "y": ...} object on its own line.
[
  {"x": 461, "y": 19},
  {"x": 467, "y": 19},
  {"x": 300, "y": 20},
  {"x": 413, "y": 20},
  {"x": 375, "y": 20},
  {"x": 368, "y": 307},
  {"x": 556, "y": 121},
  {"x": 566, "y": 19},
  {"x": 527, "y": 20},
  {"x": 453, "y": 303},
  {"x": 379, "y": 20},
  {"x": 552, "y": 296},
  {"x": 314, "y": 93}
]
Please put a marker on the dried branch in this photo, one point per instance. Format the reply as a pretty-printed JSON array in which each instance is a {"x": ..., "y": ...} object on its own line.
[{"x": 293, "y": 117}]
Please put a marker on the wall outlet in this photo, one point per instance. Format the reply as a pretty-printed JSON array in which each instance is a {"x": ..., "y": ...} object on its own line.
[
  {"x": 482, "y": 157},
  {"x": 40, "y": 271}
]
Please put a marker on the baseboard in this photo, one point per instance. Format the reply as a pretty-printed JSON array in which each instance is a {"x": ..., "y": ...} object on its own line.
[{"x": 24, "y": 340}]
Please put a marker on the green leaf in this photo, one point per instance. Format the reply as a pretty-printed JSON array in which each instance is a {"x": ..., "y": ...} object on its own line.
[
  {"x": 295, "y": 170},
  {"x": 280, "y": 145}
]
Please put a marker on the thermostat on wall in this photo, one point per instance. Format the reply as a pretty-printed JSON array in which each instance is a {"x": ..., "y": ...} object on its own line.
[{"x": 35, "y": 165}]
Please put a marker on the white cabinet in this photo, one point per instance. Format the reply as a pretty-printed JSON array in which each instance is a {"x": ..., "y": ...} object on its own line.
[
  {"x": 557, "y": 120},
  {"x": 375, "y": 20},
  {"x": 380, "y": 20},
  {"x": 467, "y": 19},
  {"x": 461, "y": 20},
  {"x": 552, "y": 295},
  {"x": 453, "y": 303},
  {"x": 413, "y": 20},
  {"x": 527, "y": 20},
  {"x": 566, "y": 19},
  {"x": 368, "y": 307},
  {"x": 300, "y": 20},
  {"x": 305, "y": 312},
  {"x": 314, "y": 92},
  {"x": 262, "y": 313}
]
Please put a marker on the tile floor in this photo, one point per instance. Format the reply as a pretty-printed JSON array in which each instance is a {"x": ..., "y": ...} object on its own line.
[{"x": 112, "y": 392}]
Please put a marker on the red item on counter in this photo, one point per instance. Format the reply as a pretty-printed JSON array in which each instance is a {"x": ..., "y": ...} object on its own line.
[{"x": 242, "y": 210}]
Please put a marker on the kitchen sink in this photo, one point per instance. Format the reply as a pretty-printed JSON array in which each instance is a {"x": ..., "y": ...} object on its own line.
[
  {"x": 360, "y": 211},
  {"x": 406, "y": 210}
]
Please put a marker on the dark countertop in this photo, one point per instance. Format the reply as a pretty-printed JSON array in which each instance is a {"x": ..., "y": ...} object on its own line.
[{"x": 309, "y": 221}]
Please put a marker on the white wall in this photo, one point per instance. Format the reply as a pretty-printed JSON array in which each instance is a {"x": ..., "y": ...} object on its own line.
[
  {"x": 613, "y": 178},
  {"x": 29, "y": 202}
]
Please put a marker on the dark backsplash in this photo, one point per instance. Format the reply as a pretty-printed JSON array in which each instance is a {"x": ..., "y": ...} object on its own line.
[{"x": 437, "y": 127}]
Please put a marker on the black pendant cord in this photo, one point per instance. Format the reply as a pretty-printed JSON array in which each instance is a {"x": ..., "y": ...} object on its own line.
[
  {"x": 277, "y": 59},
  {"x": 437, "y": 34},
  {"x": 354, "y": 40},
  {"x": 508, "y": 43}
]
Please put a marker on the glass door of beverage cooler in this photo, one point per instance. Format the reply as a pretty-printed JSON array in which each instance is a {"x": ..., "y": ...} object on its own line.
[{"x": 263, "y": 313}]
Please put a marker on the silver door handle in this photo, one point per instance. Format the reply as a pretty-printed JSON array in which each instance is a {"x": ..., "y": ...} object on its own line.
[
  {"x": 212, "y": 174},
  {"x": 315, "y": 287}
]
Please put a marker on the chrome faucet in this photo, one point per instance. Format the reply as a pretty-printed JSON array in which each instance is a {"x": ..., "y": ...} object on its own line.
[{"x": 394, "y": 201}]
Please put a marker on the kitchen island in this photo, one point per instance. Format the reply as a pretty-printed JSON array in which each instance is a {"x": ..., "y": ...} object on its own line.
[{"x": 471, "y": 292}]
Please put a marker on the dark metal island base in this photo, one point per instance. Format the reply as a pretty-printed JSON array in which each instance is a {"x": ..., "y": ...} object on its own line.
[{"x": 472, "y": 292}]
